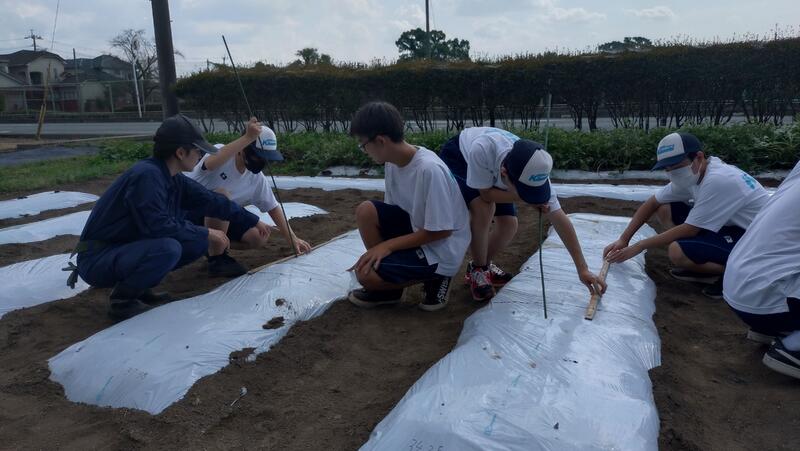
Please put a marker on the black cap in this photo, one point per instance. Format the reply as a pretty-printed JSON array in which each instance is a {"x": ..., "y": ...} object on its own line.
[{"x": 180, "y": 131}]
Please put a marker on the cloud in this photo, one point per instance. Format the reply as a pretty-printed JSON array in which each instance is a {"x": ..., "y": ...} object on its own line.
[
  {"x": 654, "y": 13},
  {"x": 551, "y": 11}
]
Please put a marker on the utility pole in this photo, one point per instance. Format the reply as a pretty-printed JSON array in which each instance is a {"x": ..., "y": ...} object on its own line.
[
  {"x": 428, "y": 29},
  {"x": 135, "y": 48},
  {"x": 166, "y": 57},
  {"x": 33, "y": 36},
  {"x": 77, "y": 82}
]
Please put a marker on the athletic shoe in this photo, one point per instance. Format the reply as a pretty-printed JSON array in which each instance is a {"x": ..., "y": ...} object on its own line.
[
  {"x": 763, "y": 338},
  {"x": 370, "y": 299},
  {"x": 690, "y": 276},
  {"x": 437, "y": 292},
  {"x": 714, "y": 291},
  {"x": 124, "y": 303},
  {"x": 223, "y": 265},
  {"x": 480, "y": 284},
  {"x": 150, "y": 297},
  {"x": 497, "y": 276},
  {"x": 782, "y": 360}
]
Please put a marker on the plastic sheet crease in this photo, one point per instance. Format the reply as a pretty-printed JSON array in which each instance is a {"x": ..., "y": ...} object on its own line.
[
  {"x": 150, "y": 361},
  {"x": 516, "y": 381},
  {"x": 39, "y": 202}
]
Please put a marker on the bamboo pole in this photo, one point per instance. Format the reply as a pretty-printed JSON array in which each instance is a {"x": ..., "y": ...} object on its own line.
[{"x": 592, "y": 308}]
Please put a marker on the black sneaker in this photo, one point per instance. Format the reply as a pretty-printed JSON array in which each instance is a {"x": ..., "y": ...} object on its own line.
[
  {"x": 369, "y": 299},
  {"x": 691, "y": 276},
  {"x": 782, "y": 360},
  {"x": 714, "y": 291},
  {"x": 223, "y": 265},
  {"x": 150, "y": 297},
  {"x": 437, "y": 292}
]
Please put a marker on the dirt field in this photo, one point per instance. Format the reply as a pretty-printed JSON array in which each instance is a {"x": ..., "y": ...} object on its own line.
[{"x": 332, "y": 379}]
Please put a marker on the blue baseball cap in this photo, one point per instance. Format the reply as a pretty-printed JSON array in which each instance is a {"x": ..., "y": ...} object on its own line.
[
  {"x": 528, "y": 166},
  {"x": 676, "y": 147}
]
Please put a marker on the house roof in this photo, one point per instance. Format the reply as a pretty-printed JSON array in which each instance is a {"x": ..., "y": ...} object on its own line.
[
  {"x": 13, "y": 78},
  {"x": 22, "y": 57},
  {"x": 100, "y": 62}
]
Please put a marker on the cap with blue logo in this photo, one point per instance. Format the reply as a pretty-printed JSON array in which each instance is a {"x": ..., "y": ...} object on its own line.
[
  {"x": 674, "y": 148},
  {"x": 528, "y": 166},
  {"x": 266, "y": 145}
]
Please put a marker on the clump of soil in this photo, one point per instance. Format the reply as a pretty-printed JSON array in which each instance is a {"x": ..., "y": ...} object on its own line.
[
  {"x": 274, "y": 323},
  {"x": 239, "y": 358},
  {"x": 280, "y": 302}
]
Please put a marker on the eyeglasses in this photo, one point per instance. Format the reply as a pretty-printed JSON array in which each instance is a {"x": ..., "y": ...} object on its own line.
[{"x": 363, "y": 146}]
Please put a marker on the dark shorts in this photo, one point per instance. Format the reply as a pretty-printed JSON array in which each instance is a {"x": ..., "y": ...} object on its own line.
[
  {"x": 407, "y": 265},
  {"x": 454, "y": 159},
  {"x": 776, "y": 323},
  {"x": 706, "y": 246},
  {"x": 236, "y": 229}
]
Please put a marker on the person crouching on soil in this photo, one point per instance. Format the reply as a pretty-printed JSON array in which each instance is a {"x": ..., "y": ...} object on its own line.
[
  {"x": 417, "y": 234},
  {"x": 706, "y": 207},
  {"x": 236, "y": 173},
  {"x": 137, "y": 231}
]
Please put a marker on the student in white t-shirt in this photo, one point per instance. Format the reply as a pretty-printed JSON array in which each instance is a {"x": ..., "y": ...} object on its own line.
[
  {"x": 707, "y": 206},
  {"x": 762, "y": 277},
  {"x": 493, "y": 169},
  {"x": 418, "y": 234},
  {"x": 235, "y": 171}
]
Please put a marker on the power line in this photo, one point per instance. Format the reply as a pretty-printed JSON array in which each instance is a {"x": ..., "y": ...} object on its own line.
[
  {"x": 55, "y": 22},
  {"x": 33, "y": 36}
]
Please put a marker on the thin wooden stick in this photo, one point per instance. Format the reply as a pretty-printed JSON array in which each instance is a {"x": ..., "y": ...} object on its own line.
[
  {"x": 255, "y": 270},
  {"x": 592, "y": 308}
]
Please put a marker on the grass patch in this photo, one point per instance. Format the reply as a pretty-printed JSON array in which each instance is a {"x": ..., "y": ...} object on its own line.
[{"x": 50, "y": 174}]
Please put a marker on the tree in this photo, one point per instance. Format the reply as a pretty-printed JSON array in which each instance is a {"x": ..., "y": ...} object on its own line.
[
  {"x": 628, "y": 44},
  {"x": 310, "y": 56},
  {"x": 413, "y": 44},
  {"x": 138, "y": 49}
]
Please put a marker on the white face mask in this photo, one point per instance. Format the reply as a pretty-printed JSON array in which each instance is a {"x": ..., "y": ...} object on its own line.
[{"x": 683, "y": 177}]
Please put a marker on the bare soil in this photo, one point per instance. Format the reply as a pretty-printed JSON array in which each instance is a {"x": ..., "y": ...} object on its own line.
[{"x": 332, "y": 379}]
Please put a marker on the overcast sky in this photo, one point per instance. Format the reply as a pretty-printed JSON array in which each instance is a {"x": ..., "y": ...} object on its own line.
[{"x": 361, "y": 30}]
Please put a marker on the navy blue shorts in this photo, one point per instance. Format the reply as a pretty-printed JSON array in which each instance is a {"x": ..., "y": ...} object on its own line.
[
  {"x": 706, "y": 246},
  {"x": 236, "y": 229},
  {"x": 403, "y": 266},
  {"x": 454, "y": 159},
  {"x": 776, "y": 323}
]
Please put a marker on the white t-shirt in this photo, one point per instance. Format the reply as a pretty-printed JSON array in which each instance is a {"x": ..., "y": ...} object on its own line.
[
  {"x": 484, "y": 149},
  {"x": 726, "y": 196},
  {"x": 764, "y": 267},
  {"x": 426, "y": 190},
  {"x": 244, "y": 188}
]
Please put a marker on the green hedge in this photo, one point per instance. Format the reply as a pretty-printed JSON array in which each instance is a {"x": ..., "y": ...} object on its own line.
[{"x": 676, "y": 84}]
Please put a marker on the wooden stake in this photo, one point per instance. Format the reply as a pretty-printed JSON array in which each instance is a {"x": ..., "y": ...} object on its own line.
[
  {"x": 255, "y": 270},
  {"x": 592, "y": 308}
]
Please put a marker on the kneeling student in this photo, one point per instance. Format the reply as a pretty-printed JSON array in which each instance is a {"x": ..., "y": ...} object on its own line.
[
  {"x": 418, "y": 234},
  {"x": 762, "y": 277},
  {"x": 702, "y": 235},
  {"x": 236, "y": 172},
  {"x": 494, "y": 169},
  {"x": 137, "y": 231}
]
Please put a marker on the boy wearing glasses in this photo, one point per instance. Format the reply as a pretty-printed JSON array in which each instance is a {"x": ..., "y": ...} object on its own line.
[
  {"x": 706, "y": 207},
  {"x": 418, "y": 234}
]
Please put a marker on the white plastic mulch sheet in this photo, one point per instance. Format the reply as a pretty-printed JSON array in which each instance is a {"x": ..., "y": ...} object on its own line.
[
  {"x": 293, "y": 210},
  {"x": 150, "y": 361},
  {"x": 37, "y": 203},
  {"x": 637, "y": 193},
  {"x": 72, "y": 224},
  {"x": 516, "y": 381},
  {"x": 35, "y": 282}
]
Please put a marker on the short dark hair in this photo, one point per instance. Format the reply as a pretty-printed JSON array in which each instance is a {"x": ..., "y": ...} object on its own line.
[
  {"x": 378, "y": 118},
  {"x": 163, "y": 150}
]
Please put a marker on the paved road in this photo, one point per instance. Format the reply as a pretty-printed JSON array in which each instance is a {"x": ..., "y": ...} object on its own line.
[
  {"x": 45, "y": 153},
  {"x": 137, "y": 128}
]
